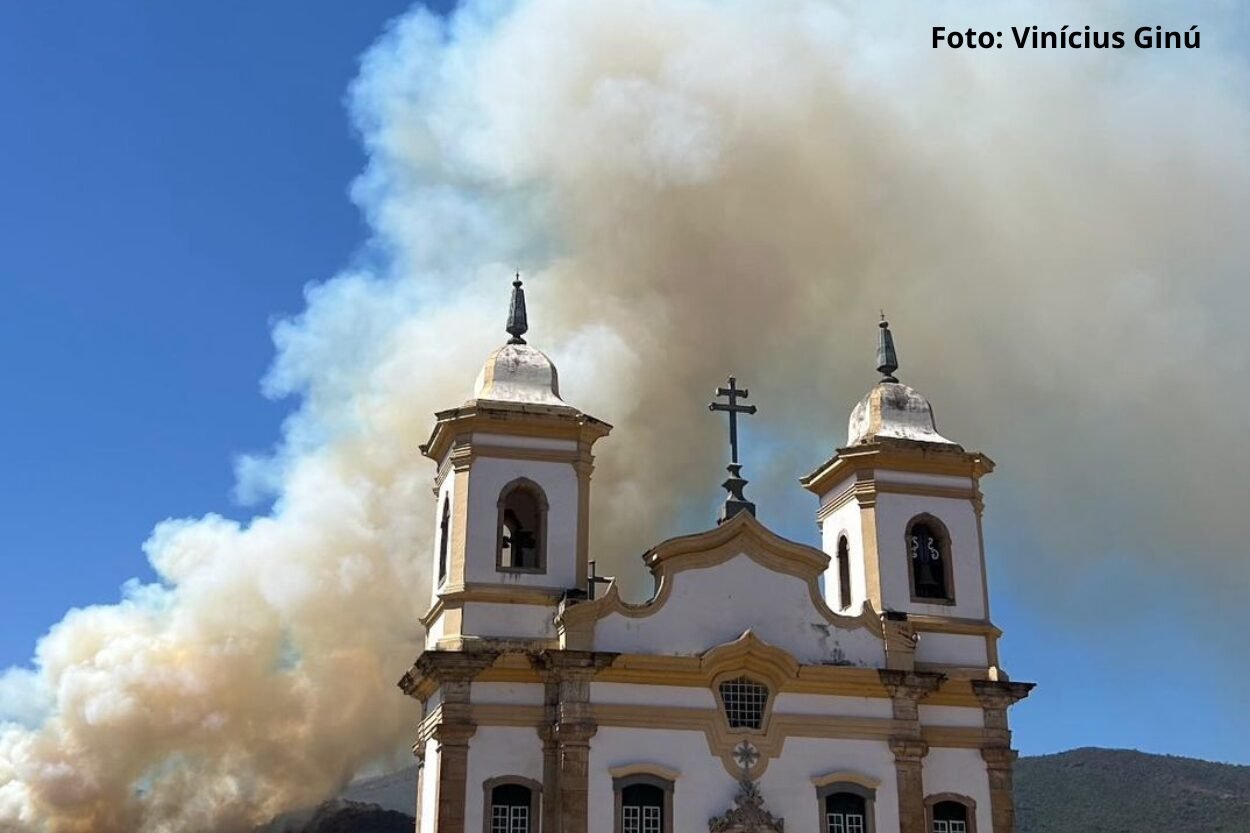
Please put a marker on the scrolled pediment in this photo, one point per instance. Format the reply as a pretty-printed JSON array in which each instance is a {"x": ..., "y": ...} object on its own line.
[{"x": 742, "y": 535}]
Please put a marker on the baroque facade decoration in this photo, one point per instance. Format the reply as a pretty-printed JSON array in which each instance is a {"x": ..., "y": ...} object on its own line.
[{"x": 765, "y": 686}]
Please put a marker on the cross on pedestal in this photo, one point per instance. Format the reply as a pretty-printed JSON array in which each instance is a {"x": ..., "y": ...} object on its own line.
[{"x": 735, "y": 502}]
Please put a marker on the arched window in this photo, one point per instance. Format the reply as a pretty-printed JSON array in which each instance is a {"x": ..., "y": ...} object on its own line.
[
  {"x": 844, "y": 573},
  {"x": 951, "y": 813},
  {"x": 512, "y": 805},
  {"x": 444, "y": 534},
  {"x": 522, "y": 544},
  {"x": 846, "y": 807},
  {"x": 644, "y": 804},
  {"x": 744, "y": 701},
  {"x": 929, "y": 553}
]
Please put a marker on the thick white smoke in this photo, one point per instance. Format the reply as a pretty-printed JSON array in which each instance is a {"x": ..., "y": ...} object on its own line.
[{"x": 692, "y": 187}]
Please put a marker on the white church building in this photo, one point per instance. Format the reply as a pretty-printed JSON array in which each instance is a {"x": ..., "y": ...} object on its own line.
[{"x": 766, "y": 685}]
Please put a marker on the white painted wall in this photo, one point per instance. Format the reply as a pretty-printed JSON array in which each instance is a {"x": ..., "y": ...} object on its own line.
[
  {"x": 891, "y": 476},
  {"x": 496, "y": 751},
  {"x": 952, "y": 649},
  {"x": 951, "y": 716},
  {"x": 833, "y": 705},
  {"x": 715, "y": 605},
  {"x": 487, "y": 477},
  {"x": 960, "y": 771},
  {"x": 845, "y": 521},
  {"x": 669, "y": 696},
  {"x": 519, "y": 694},
  {"x": 435, "y": 632},
  {"x": 446, "y": 492},
  {"x": 485, "y": 438},
  {"x": 893, "y": 513},
  {"x": 514, "y": 621},
  {"x": 704, "y": 789},
  {"x": 429, "y": 788}
]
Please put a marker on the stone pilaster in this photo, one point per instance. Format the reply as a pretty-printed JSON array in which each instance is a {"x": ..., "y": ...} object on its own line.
[
  {"x": 998, "y": 768},
  {"x": 572, "y": 726},
  {"x": 909, "y": 776},
  {"x": 453, "y": 771},
  {"x": 551, "y": 782},
  {"x": 452, "y": 672},
  {"x": 574, "y": 771},
  {"x": 907, "y": 689},
  {"x": 995, "y": 698}
]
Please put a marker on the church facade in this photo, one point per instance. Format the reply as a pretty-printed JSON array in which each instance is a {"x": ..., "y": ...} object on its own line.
[{"x": 765, "y": 686}]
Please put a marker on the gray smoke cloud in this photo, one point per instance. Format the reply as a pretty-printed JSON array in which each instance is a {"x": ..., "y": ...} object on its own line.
[{"x": 691, "y": 187}]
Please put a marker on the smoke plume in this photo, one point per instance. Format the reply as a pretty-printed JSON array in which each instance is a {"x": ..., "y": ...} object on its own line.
[{"x": 691, "y": 188}]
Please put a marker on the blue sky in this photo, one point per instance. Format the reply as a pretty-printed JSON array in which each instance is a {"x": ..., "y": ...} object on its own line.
[{"x": 174, "y": 174}]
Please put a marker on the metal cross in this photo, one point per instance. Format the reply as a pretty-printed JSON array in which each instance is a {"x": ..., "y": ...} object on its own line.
[
  {"x": 593, "y": 579},
  {"x": 733, "y": 394}
]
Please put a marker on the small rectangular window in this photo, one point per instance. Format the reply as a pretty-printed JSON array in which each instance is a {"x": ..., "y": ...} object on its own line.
[
  {"x": 645, "y": 804},
  {"x": 844, "y": 823},
  {"x": 745, "y": 701}
]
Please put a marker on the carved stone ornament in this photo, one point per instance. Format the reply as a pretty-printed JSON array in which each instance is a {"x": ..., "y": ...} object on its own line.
[{"x": 748, "y": 816}]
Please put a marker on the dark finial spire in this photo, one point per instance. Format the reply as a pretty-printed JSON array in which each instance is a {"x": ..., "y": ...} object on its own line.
[
  {"x": 517, "y": 322},
  {"x": 887, "y": 359}
]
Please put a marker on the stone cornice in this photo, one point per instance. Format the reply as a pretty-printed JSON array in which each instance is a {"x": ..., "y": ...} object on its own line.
[
  {"x": 435, "y": 668},
  {"x": 910, "y": 685},
  {"x": 511, "y": 419},
  {"x": 567, "y": 665},
  {"x": 897, "y": 455},
  {"x": 1000, "y": 694}
]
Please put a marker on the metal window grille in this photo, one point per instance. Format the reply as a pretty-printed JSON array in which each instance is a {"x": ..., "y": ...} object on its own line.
[
  {"x": 505, "y": 819},
  {"x": 950, "y": 826},
  {"x": 744, "y": 701},
  {"x": 844, "y": 823},
  {"x": 645, "y": 819}
]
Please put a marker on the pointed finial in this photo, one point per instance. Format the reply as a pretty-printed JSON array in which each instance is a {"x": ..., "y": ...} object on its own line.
[
  {"x": 517, "y": 322},
  {"x": 887, "y": 359}
]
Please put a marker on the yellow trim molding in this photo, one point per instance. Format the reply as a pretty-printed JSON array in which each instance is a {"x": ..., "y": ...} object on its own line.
[
  {"x": 657, "y": 770},
  {"x": 843, "y": 776}
]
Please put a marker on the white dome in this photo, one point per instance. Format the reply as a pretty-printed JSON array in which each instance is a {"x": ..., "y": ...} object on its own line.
[
  {"x": 893, "y": 410},
  {"x": 519, "y": 373}
]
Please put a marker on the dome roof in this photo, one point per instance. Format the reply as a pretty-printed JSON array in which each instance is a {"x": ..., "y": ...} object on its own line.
[
  {"x": 518, "y": 373},
  {"x": 895, "y": 411},
  {"x": 891, "y": 410}
]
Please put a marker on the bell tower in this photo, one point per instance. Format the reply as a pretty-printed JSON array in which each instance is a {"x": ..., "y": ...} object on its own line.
[
  {"x": 900, "y": 517},
  {"x": 512, "y": 497}
]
